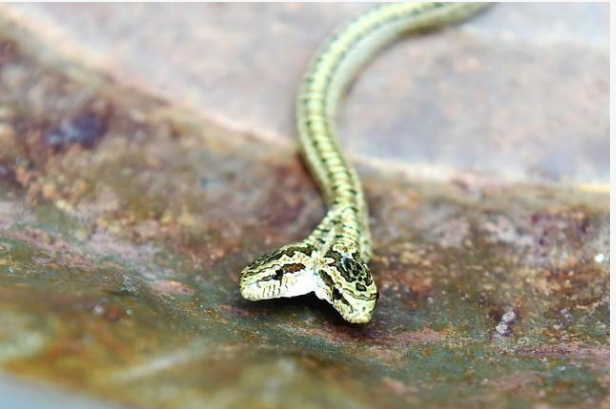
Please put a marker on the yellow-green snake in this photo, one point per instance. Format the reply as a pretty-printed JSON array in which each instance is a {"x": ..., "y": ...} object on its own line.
[{"x": 332, "y": 261}]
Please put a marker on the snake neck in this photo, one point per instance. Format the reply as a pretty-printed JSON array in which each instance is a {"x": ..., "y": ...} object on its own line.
[{"x": 344, "y": 227}]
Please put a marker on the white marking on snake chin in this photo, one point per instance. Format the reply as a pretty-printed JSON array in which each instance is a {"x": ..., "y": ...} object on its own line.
[{"x": 300, "y": 283}]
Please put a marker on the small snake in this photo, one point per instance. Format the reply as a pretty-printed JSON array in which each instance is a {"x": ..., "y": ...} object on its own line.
[{"x": 332, "y": 261}]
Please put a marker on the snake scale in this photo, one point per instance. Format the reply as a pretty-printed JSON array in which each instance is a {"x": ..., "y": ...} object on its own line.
[{"x": 332, "y": 261}]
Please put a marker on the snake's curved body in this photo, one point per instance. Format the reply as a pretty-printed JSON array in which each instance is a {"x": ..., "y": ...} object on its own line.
[{"x": 332, "y": 261}]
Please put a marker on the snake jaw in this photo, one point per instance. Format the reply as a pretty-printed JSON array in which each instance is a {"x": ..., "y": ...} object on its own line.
[
  {"x": 300, "y": 283},
  {"x": 352, "y": 309}
]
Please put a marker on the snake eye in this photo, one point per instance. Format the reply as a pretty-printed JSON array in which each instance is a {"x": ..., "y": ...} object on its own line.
[
  {"x": 336, "y": 295},
  {"x": 287, "y": 269},
  {"x": 278, "y": 275}
]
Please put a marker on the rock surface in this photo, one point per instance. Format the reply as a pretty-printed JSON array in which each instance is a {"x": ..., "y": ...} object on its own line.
[{"x": 133, "y": 191}]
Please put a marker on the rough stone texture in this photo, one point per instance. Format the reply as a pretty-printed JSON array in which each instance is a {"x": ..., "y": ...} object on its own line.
[{"x": 124, "y": 219}]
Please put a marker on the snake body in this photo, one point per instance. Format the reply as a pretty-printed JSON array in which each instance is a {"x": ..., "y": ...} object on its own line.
[{"x": 332, "y": 261}]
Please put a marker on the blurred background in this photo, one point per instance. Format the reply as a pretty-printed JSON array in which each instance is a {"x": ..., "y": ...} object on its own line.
[{"x": 148, "y": 152}]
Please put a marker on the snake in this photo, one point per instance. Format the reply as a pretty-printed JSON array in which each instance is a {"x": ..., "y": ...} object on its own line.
[{"x": 332, "y": 262}]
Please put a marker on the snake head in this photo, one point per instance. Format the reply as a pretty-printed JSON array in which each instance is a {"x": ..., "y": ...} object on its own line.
[
  {"x": 339, "y": 276},
  {"x": 286, "y": 272},
  {"x": 347, "y": 284}
]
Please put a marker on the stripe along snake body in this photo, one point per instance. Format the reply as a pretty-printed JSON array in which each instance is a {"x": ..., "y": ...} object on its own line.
[{"x": 332, "y": 261}]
